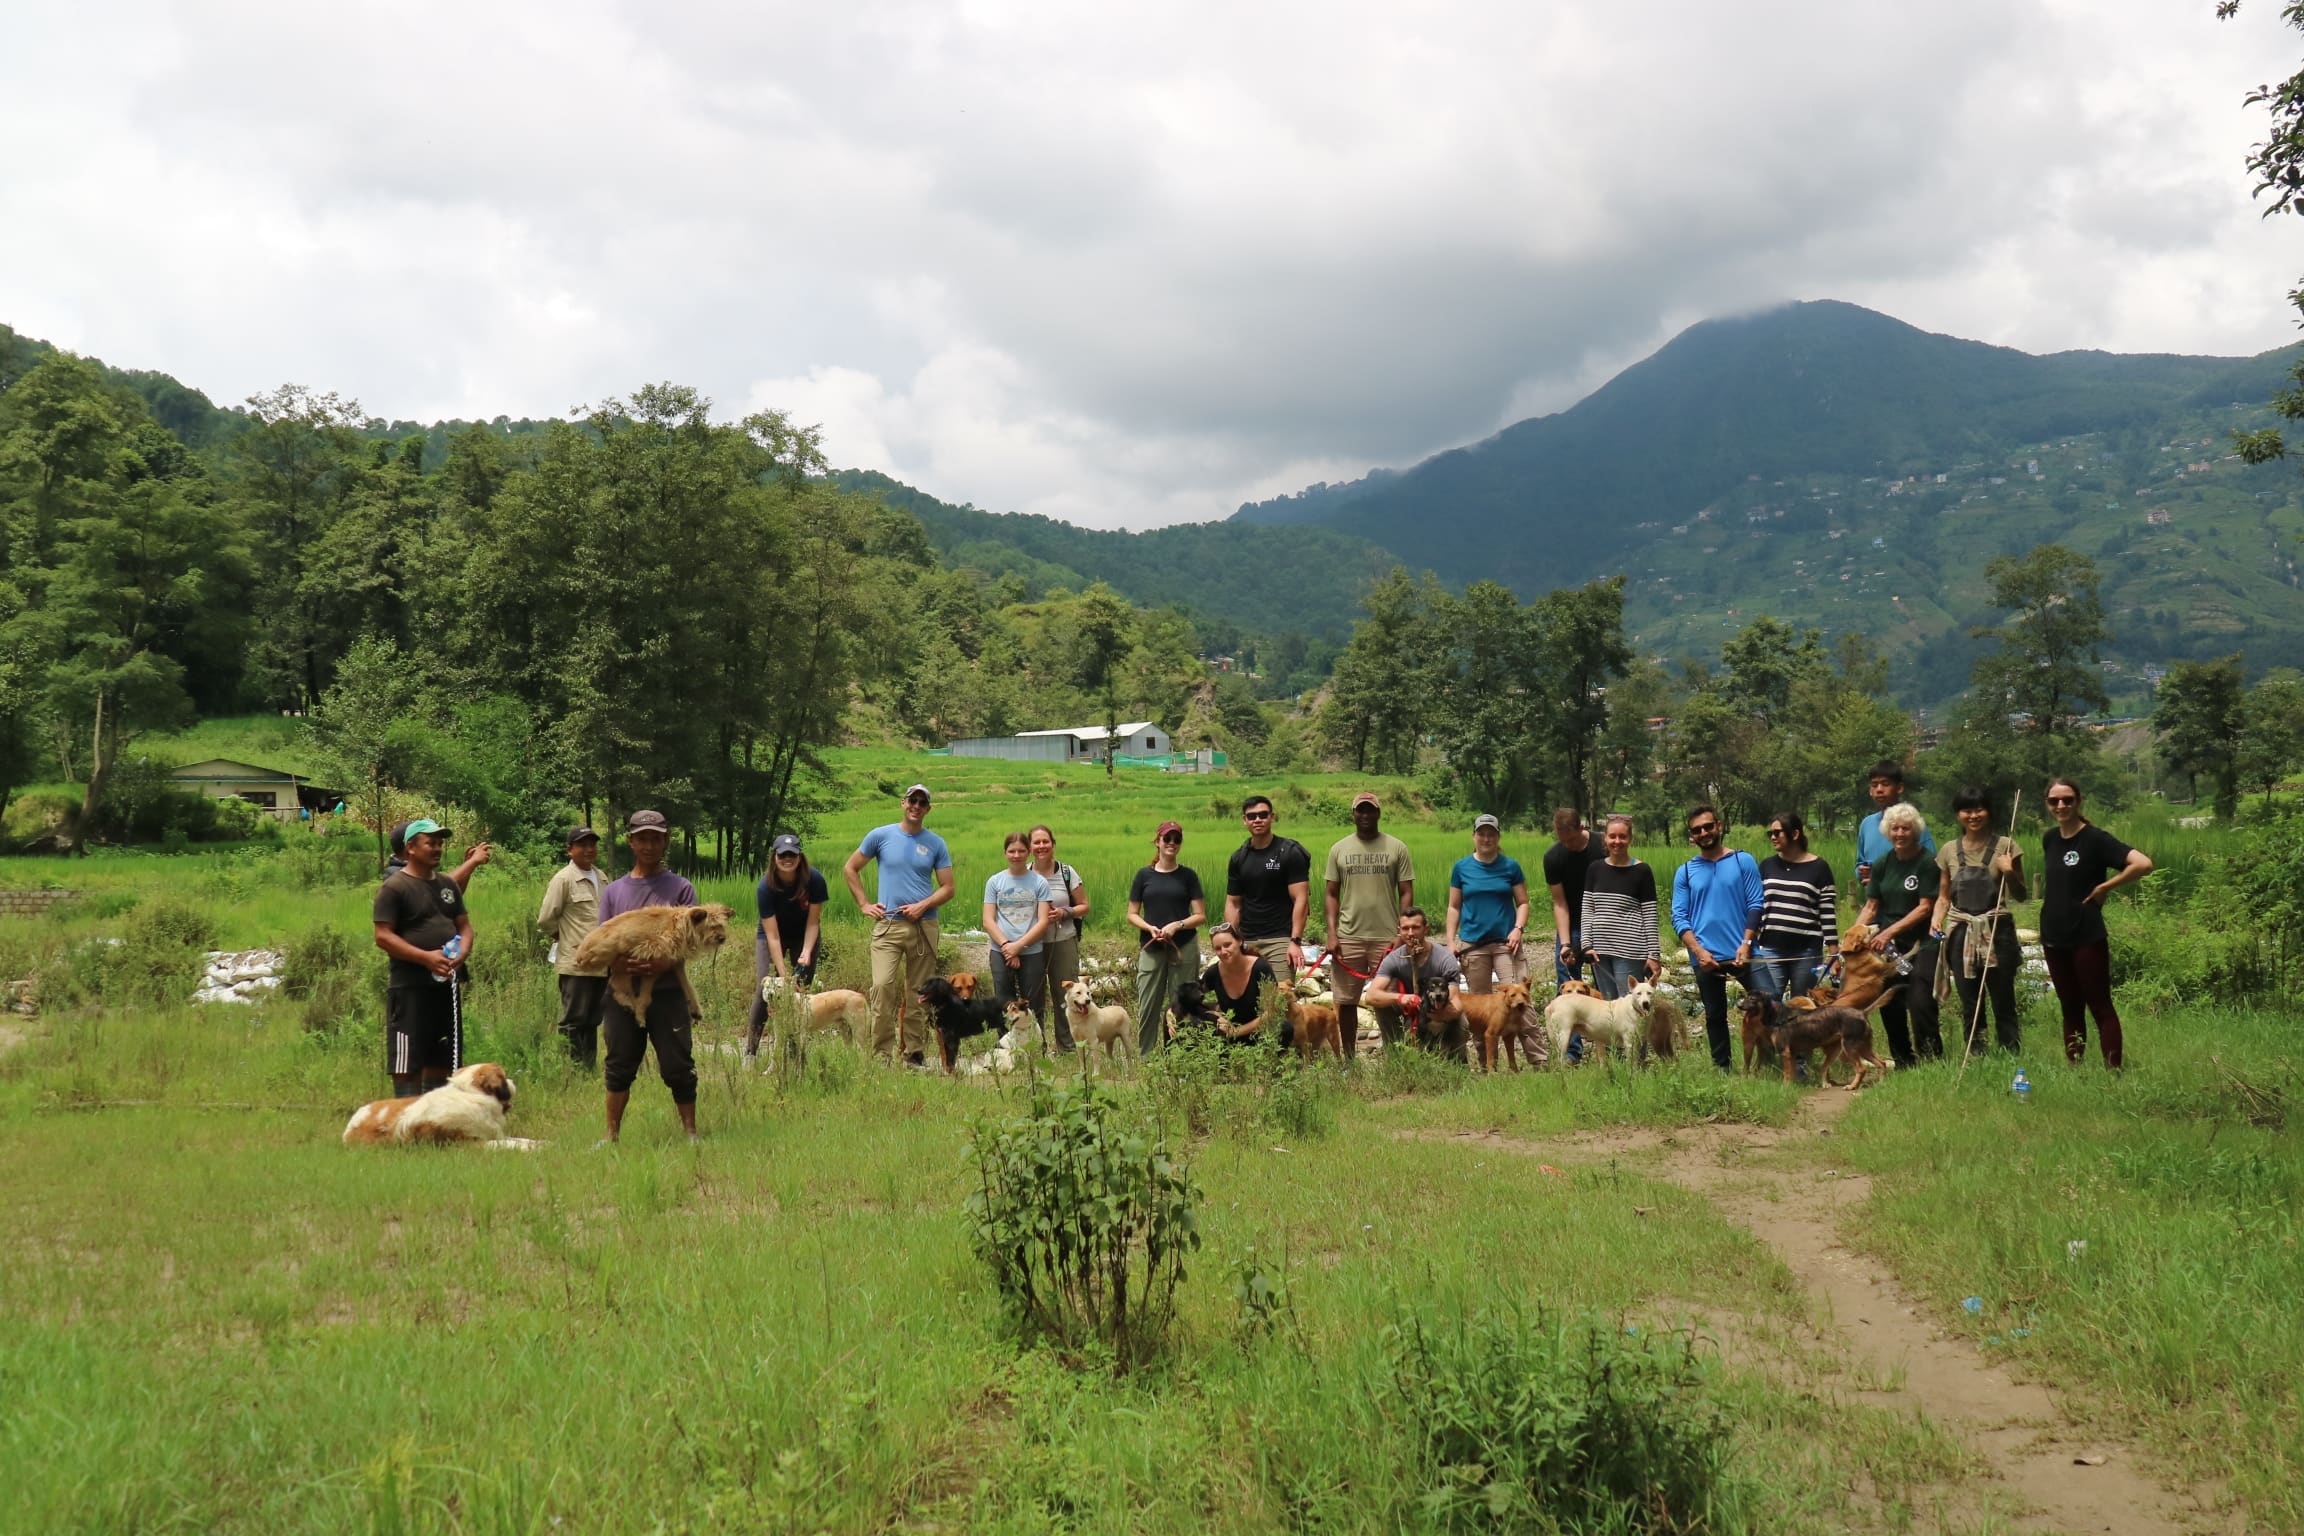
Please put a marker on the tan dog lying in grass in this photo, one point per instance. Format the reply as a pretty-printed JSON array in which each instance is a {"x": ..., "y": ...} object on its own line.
[
  {"x": 1497, "y": 1016},
  {"x": 1092, "y": 1025},
  {"x": 470, "y": 1107},
  {"x": 666, "y": 935}
]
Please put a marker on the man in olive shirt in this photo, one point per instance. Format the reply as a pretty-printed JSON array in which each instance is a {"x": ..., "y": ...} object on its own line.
[
  {"x": 1371, "y": 878},
  {"x": 571, "y": 910}
]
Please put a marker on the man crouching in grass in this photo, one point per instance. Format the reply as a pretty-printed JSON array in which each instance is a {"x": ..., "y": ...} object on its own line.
[{"x": 418, "y": 912}]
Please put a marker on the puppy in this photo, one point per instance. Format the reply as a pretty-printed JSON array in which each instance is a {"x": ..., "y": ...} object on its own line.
[
  {"x": 1622, "y": 1023},
  {"x": 1008, "y": 1051},
  {"x": 470, "y": 1108},
  {"x": 1866, "y": 979},
  {"x": 1837, "y": 1032},
  {"x": 1313, "y": 1028},
  {"x": 1496, "y": 1016},
  {"x": 672, "y": 934},
  {"x": 1093, "y": 1024},
  {"x": 1192, "y": 1010},
  {"x": 956, "y": 1017}
]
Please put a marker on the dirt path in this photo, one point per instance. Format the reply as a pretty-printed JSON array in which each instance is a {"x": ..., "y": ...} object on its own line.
[{"x": 2066, "y": 1478}]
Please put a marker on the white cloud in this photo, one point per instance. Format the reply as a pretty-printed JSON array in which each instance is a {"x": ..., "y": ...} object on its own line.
[{"x": 1120, "y": 264}]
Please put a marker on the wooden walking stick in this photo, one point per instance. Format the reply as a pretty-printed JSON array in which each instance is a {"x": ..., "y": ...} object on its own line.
[{"x": 1991, "y": 935}]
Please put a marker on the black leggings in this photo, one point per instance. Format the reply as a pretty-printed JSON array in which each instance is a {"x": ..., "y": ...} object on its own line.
[{"x": 1999, "y": 989}]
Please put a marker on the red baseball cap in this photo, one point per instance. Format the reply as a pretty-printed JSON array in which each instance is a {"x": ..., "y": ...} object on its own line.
[{"x": 1167, "y": 827}]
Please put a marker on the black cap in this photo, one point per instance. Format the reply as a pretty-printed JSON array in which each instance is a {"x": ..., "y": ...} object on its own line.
[
  {"x": 399, "y": 837},
  {"x": 580, "y": 835}
]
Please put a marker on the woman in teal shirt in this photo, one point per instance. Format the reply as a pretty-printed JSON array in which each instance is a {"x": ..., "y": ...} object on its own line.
[{"x": 1487, "y": 914}]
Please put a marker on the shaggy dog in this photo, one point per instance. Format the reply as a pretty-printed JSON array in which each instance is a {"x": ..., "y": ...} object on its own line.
[
  {"x": 957, "y": 1017},
  {"x": 1840, "y": 1033},
  {"x": 470, "y": 1108},
  {"x": 1622, "y": 1023},
  {"x": 1312, "y": 1027},
  {"x": 674, "y": 935},
  {"x": 1094, "y": 1025},
  {"x": 1496, "y": 1016}
]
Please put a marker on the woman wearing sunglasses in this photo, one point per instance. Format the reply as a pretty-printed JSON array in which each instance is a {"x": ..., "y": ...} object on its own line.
[
  {"x": 2084, "y": 864},
  {"x": 1798, "y": 914}
]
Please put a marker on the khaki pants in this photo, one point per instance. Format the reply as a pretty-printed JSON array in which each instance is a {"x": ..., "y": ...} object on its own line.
[
  {"x": 1489, "y": 966},
  {"x": 1275, "y": 954},
  {"x": 903, "y": 958}
]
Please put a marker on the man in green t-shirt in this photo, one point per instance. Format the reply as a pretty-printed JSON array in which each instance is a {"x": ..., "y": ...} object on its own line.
[{"x": 1371, "y": 878}]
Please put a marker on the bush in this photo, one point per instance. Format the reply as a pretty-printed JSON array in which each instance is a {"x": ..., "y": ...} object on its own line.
[
  {"x": 156, "y": 962},
  {"x": 1084, "y": 1223},
  {"x": 322, "y": 972},
  {"x": 1536, "y": 1422}
]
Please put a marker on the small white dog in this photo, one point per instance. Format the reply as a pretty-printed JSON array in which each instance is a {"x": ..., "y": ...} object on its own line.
[
  {"x": 468, "y": 1107},
  {"x": 1007, "y": 1053},
  {"x": 1092, "y": 1025},
  {"x": 1622, "y": 1023}
]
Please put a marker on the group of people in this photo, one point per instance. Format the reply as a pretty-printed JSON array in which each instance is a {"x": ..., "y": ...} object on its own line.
[{"x": 1942, "y": 915}]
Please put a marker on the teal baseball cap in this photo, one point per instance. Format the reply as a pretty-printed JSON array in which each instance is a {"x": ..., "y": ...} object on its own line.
[{"x": 423, "y": 825}]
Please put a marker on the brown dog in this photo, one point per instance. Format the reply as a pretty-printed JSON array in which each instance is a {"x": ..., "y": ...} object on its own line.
[
  {"x": 963, "y": 985},
  {"x": 1315, "y": 1027},
  {"x": 1754, "y": 1027},
  {"x": 666, "y": 934},
  {"x": 1574, "y": 988},
  {"x": 1866, "y": 979},
  {"x": 469, "y": 1107},
  {"x": 1837, "y": 1032},
  {"x": 1497, "y": 1016}
]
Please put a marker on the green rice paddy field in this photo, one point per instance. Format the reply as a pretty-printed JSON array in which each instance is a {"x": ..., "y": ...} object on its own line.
[{"x": 214, "y": 1317}]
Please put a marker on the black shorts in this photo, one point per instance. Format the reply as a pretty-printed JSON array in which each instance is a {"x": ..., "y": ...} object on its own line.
[{"x": 419, "y": 1029}]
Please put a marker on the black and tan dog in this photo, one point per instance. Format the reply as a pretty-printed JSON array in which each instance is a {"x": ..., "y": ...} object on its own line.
[
  {"x": 1794, "y": 1033},
  {"x": 957, "y": 1017}
]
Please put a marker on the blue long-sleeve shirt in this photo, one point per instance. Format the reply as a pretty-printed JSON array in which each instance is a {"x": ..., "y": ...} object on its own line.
[
  {"x": 1719, "y": 900},
  {"x": 1872, "y": 844}
]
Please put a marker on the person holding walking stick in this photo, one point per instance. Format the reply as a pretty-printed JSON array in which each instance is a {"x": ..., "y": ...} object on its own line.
[{"x": 1980, "y": 874}]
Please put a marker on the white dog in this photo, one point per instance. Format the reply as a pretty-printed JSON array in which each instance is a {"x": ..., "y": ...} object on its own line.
[
  {"x": 1093, "y": 1025},
  {"x": 1007, "y": 1053},
  {"x": 1622, "y": 1023},
  {"x": 470, "y": 1107}
]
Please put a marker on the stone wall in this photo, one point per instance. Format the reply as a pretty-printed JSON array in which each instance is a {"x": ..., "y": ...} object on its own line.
[{"x": 33, "y": 903}]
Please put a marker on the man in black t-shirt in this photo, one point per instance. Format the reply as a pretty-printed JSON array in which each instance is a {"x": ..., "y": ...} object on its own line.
[
  {"x": 418, "y": 912},
  {"x": 1574, "y": 849},
  {"x": 1268, "y": 891}
]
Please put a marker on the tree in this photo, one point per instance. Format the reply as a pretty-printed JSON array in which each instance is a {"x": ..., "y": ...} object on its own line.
[
  {"x": 1105, "y": 636},
  {"x": 364, "y": 731},
  {"x": 23, "y": 673},
  {"x": 2272, "y": 731},
  {"x": 2278, "y": 165},
  {"x": 294, "y": 461},
  {"x": 1381, "y": 695},
  {"x": 1487, "y": 719},
  {"x": 2198, "y": 717},
  {"x": 1580, "y": 650},
  {"x": 2045, "y": 672}
]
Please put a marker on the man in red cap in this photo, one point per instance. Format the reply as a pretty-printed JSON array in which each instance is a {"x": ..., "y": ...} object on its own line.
[{"x": 1371, "y": 879}]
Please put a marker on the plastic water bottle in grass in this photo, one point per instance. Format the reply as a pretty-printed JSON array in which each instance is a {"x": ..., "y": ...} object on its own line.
[{"x": 2021, "y": 1087}]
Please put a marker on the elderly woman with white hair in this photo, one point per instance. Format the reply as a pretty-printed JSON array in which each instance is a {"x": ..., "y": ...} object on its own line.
[{"x": 1898, "y": 901}]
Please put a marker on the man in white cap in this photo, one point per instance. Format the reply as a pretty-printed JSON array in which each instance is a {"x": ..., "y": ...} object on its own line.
[
  {"x": 571, "y": 910},
  {"x": 915, "y": 879},
  {"x": 1371, "y": 880}
]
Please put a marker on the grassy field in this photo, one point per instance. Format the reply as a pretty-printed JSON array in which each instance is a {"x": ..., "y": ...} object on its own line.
[{"x": 217, "y": 1318}]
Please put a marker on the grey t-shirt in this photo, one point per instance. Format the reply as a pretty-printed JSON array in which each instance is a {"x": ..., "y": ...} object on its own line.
[{"x": 1439, "y": 962}]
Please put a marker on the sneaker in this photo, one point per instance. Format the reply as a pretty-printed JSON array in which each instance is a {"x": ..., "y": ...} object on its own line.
[
  {"x": 917, "y": 1063},
  {"x": 695, "y": 1139}
]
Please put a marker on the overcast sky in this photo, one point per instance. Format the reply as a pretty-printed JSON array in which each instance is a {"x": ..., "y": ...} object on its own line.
[{"x": 1122, "y": 264}]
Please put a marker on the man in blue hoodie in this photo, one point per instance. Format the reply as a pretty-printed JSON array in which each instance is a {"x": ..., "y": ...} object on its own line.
[{"x": 1716, "y": 900}]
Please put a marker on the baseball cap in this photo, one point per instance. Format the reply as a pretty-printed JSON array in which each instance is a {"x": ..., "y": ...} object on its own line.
[
  {"x": 921, "y": 790},
  {"x": 1167, "y": 827},
  {"x": 1486, "y": 820},
  {"x": 580, "y": 835},
  {"x": 1364, "y": 798},
  {"x": 647, "y": 821},
  {"x": 422, "y": 825},
  {"x": 786, "y": 843}
]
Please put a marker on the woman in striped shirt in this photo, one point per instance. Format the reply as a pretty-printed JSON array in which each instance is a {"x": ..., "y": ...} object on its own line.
[
  {"x": 1796, "y": 913},
  {"x": 1619, "y": 926}
]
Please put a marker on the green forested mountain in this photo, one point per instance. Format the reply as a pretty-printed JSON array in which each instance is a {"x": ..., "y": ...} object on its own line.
[{"x": 1838, "y": 467}]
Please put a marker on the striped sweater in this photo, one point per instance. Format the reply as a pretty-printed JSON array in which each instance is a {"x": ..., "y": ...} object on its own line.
[
  {"x": 1797, "y": 911},
  {"x": 1620, "y": 911}
]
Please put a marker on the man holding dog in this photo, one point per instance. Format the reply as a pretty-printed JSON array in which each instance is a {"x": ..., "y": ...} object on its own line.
[
  {"x": 571, "y": 910},
  {"x": 915, "y": 879},
  {"x": 669, "y": 1022},
  {"x": 417, "y": 912},
  {"x": 1371, "y": 880},
  {"x": 1716, "y": 901},
  {"x": 1416, "y": 966},
  {"x": 1268, "y": 891}
]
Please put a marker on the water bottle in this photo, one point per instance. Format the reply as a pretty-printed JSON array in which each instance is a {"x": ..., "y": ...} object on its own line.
[
  {"x": 2021, "y": 1087},
  {"x": 454, "y": 950}
]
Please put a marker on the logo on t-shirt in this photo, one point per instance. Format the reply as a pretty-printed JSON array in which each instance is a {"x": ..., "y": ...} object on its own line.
[
  {"x": 447, "y": 895},
  {"x": 1911, "y": 882},
  {"x": 2071, "y": 858},
  {"x": 921, "y": 849}
]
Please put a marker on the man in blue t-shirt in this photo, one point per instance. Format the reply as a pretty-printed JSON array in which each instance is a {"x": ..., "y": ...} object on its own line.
[
  {"x": 1886, "y": 782},
  {"x": 915, "y": 879}
]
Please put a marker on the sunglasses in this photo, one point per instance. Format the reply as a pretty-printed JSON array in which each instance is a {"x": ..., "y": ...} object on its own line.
[
  {"x": 1173, "y": 837},
  {"x": 1775, "y": 831},
  {"x": 1710, "y": 826},
  {"x": 2063, "y": 799},
  {"x": 1255, "y": 815}
]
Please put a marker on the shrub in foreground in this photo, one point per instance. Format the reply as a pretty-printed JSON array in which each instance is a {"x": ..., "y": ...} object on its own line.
[{"x": 1084, "y": 1221}]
